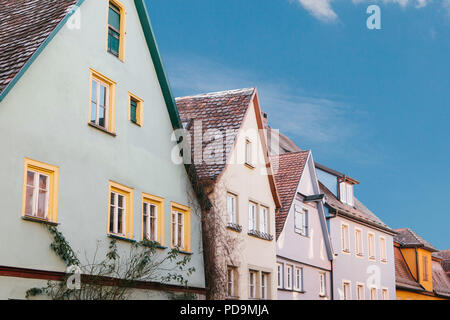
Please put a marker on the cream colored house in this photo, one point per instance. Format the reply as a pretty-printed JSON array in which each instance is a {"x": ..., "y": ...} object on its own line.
[{"x": 230, "y": 155}]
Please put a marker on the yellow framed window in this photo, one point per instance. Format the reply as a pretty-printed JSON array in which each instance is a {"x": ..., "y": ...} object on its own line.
[
  {"x": 40, "y": 191},
  {"x": 153, "y": 218},
  {"x": 135, "y": 109},
  {"x": 120, "y": 210},
  {"x": 180, "y": 227},
  {"x": 102, "y": 101},
  {"x": 116, "y": 29}
]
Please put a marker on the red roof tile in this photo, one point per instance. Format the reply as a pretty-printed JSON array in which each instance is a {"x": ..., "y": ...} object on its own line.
[
  {"x": 24, "y": 26},
  {"x": 441, "y": 283},
  {"x": 403, "y": 276},
  {"x": 288, "y": 168}
]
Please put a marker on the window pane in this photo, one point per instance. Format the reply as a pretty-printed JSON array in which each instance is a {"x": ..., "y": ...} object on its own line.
[
  {"x": 30, "y": 178},
  {"x": 111, "y": 214},
  {"x": 114, "y": 17},
  {"x": 113, "y": 42},
  {"x": 93, "y": 112},
  {"x": 102, "y": 96},
  {"x": 43, "y": 182},
  {"x": 101, "y": 116},
  {"x": 42, "y": 204},
  {"x": 94, "y": 92},
  {"x": 29, "y": 201},
  {"x": 133, "y": 110},
  {"x": 120, "y": 201},
  {"x": 119, "y": 220}
]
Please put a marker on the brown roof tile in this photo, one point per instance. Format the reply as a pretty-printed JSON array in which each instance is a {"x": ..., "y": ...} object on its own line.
[
  {"x": 403, "y": 276},
  {"x": 24, "y": 26},
  {"x": 407, "y": 237},
  {"x": 288, "y": 168},
  {"x": 441, "y": 282}
]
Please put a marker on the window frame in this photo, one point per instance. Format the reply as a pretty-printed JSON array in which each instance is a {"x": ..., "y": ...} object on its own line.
[
  {"x": 383, "y": 249},
  {"x": 384, "y": 293},
  {"x": 122, "y": 31},
  {"x": 322, "y": 276},
  {"x": 139, "y": 109},
  {"x": 186, "y": 211},
  {"x": 373, "y": 289},
  {"x": 265, "y": 277},
  {"x": 347, "y": 283},
  {"x": 371, "y": 235},
  {"x": 255, "y": 220},
  {"x": 280, "y": 275},
  {"x": 298, "y": 285},
  {"x": 359, "y": 243},
  {"x": 111, "y": 100},
  {"x": 249, "y": 153},
  {"x": 264, "y": 214},
  {"x": 290, "y": 277},
  {"x": 234, "y": 282},
  {"x": 128, "y": 193},
  {"x": 158, "y": 202},
  {"x": 252, "y": 288},
  {"x": 301, "y": 213},
  {"x": 235, "y": 212},
  {"x": 360, "y": 285},
  {"x": 345, "y": 249},
  {"x": 52, "y": 172}
]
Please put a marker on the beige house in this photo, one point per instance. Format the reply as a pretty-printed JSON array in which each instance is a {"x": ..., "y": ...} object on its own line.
[{"x": 230, "y": 154}]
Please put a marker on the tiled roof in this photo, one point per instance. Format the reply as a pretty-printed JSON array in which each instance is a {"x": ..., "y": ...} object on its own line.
[
  {"x": 24, "y": 26},
  {"x": 441, "y": 282},
  {"x": 288, "y": 170},
  {"x": 407, "y": 237},
  {"x": 359, "y": 211},
  {"x": 224, "y": 111},
  {"x": 403, "y": 276},
  {"x": 444, "y": 256}
]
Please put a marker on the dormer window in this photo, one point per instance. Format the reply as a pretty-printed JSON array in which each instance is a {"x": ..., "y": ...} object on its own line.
[{"x": 346, "y": 193}]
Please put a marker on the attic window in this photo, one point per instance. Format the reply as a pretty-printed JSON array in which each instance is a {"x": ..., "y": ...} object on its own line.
[
  {"x": 116, "y": 29},
  {"x": 346, "y": 193}
]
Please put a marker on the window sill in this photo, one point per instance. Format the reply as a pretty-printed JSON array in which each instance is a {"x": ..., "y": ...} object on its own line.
[
  {"x": 149, "y": 244},
  {"x": 346, "y": 251},
  {"x": 121, "y": 238},
  {"x": 136, "y": 124},
  {"x": 93, "y": 125},
  {"x": 185, "y": 253},
  {"x": 234, "y": 227},
  {"x": 260, "y": 235},
  {"x": 384, "y": 260},
  {"x": 250, "y": 166},
  {"x": 38, "y": 220},
  {"x": 301, "y": 233}
]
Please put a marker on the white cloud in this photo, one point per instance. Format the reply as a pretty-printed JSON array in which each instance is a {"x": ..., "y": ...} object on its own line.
[{"x": 322, "y": 9}]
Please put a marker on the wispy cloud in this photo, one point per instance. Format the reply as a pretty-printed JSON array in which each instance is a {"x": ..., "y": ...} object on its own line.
[
  {"x": 323, "y": 10},
  {"x": 310, "y": 118}
]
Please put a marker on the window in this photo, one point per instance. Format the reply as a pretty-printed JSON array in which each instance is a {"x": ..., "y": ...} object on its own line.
[
  {"x": 322, "y": 284},
  {"x": 252, "y": 285},
  {"x": 248, "y": 153},
  {"x": 280, "y": 269},
  {"x": 289, "y": 277},
  {"x": 136, "y": 110},
  {"x": 346, "y": 193},
  {"x": 360, "y": 291},
  {"x": 299, "y": 279},
  {"x": 301, "y": 220},
  {"x": 358, "y": 242},
  {"x": 264, "y": 219},
  {"x": 264, "y": 285},
  {"x": 252, "y": 216},
  {"x": 102, "y": 106},
  {"x": 383, "y": 254},
  {"x": 345, "y": 238},
  {"x": 232, "y": 282},
  {"x": 373, "y": 294},
  {"x": 40, "y": 191},
  {"x": 153, "y": 218},
  {"x": 371, "y": 240},
  {"x": 120, "y": 218},
  {"x": 425, "y": 268},
  {"x": 181, "y": 227},
  {"x": 232, "y": 208},
  {"x": 385, "y": 294},
  {"x": 116, "y": 29},
  {"x": 346, "y": 290}
]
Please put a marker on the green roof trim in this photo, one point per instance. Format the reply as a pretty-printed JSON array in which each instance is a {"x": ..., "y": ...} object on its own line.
[
  {"x": 157, "y": 62},
  {"x": 39, "y": 50}
]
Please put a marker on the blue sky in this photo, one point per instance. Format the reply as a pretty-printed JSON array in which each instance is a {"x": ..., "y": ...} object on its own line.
[{"x": 374, "y": 104}]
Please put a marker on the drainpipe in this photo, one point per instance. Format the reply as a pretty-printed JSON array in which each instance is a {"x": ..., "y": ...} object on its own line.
[{"x": 332, "y": 281}]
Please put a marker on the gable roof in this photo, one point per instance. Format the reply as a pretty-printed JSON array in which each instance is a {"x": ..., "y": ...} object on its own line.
[
  {"x": 224, "y": 111},
  {"x": 408, "y": 238},
  {"x": 359, "y": 211},
  {"x": 25, "y": 27},
  {"x": 403, "y": 275},
  {"x": 288, "y": 168}
]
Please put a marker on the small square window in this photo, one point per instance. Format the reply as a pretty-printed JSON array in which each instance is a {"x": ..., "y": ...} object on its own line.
[{"x": 136, "y": 110}]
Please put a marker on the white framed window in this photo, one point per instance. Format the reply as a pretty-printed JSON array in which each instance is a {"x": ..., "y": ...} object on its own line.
[
  {"x": 100, "y": 103},
  {"x": 177, "y": 229},
  {"x": 346, "y": 193},
  {"x": 252, "y": 284},
  {"x": 346, "y": 290},
  {"x": 360, "y": 291},
  {"x": 248, "y": 153},
  {"x": 385, "y": 294},
  {"x": 264, "y": 285},
  {"x": 264, "y": 219},
  {"x": 252, "y": 218},
  {"x": 373, "y": 293},
  {"x": 289, "y": 276},
  {"x": 358, "y": 242},
  {"x": 298, "y": 283},
  {"x": 371, "y": 245},
  {"x": 117, "y": 223},
  {"x": 383, "y": 253},
  {"x": 37, "y": 194},
  {"x": 280, "y": 275},
  {"x": 231, "y": 282},
  {"x": 232, "y": 208},
  {"x": 345, "y": 239},
  {"x": 301, "y": 220},
  {"x": 322, "y": 284},
  {"x": 150, "y": 221}
]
